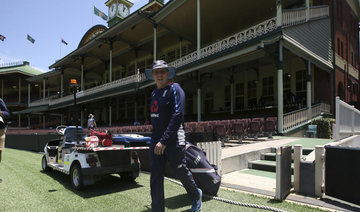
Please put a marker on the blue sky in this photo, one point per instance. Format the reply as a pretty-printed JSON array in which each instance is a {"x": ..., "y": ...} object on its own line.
[{"x": 47, "y": 22}]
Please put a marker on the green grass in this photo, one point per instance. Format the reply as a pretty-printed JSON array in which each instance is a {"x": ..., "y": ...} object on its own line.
[{"x": 26, "y": 188}]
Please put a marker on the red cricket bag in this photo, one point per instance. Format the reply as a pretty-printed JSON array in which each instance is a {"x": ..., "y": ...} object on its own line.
[
  {"x": 104, "y": 137},
  {"x": 203, "y": 172}
]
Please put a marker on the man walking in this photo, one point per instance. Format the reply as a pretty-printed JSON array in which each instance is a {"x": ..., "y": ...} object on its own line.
[{"x": 168, "y": 136}]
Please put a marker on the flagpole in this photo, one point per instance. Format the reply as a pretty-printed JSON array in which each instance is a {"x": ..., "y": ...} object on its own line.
[
  {"x": 92, "y": 16},
  {"x": 60, "y": 49}
]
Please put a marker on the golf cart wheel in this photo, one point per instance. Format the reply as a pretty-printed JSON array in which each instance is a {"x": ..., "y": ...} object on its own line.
[
  {"x": 76, "y": 177},
  {"x": 127, "y": 176},
  {"x": 44, "y": 165}
]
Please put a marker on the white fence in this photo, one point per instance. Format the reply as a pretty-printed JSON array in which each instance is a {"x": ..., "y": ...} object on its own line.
[
  {"x": 298, "y": 16},
  {"x": 213, "y": 153},
  {"x": 347, "y": 120}
]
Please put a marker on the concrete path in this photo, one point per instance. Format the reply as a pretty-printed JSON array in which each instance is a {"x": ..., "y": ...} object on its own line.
[{"x": 250, "y": 146}]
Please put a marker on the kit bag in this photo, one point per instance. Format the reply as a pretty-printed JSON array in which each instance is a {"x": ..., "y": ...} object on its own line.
[
  {"x": 104, "y": 137},
  {"x": 204, "y": 173}
]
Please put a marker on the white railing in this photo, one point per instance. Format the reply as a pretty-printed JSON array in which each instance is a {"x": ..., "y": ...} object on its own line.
[
  {"x": 240, "y": 37},
  {"x": 293, "y": 17},
  {"x": 298, "y": 117},
  {"x": 319, "y": 12},
  {"x": 39, "y": 102},
  {"x": 100, "y": 88},
  {"x": 62, "y": 99},
  {"x": 347, "y": 120},
  {"x": 297, "y": 16},
  {"x": 213, "y": 153},
  {"x": 318, "y": 109},
  {"x": 294, "y": 119},
  {"x": 114, "y": 84},
  {"x": 9, "y": 64}
]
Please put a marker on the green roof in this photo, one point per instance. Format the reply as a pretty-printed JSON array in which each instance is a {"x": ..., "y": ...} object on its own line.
[{"x": 22, "y": 69}]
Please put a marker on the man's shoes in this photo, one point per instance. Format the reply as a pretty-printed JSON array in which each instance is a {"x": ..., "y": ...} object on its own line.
[
  {"x": 0, "y": 180},
  {"x": 196, "y": 206}
]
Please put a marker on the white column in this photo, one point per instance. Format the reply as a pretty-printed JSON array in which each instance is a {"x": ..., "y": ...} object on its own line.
[
  {"x": 110, "y": 69},
  {"x": 19, "y": 120},
  {"x": 154, "y": 54},
  {"x": 198, "y": 29},
  {"x": 44, "y": 124},
  {"x": 198, "y": 104},
  {"x": 280, "y": 89},
  {"x": 19, "y": 90},
  {"x": 62, "y": 83},
  {"x": 81, "y": 117},
  {"x": 28, "y": 121},
  {"x": 117, "y": 109},
  {"x": 232, "y": 96},
  {"x": 126, "y": 115},
  {"x": 82, "y": 73},
  {"x": 136, "y": 71},
  {"x": 135, "y": 111},
  {"x": 29, "y": 92},
  {"x": 278, "y": 13},
  {"x": 307, "y": 5},
  {"x": 145, "y": 106},
  {"x": 308, "y": 90},
  {"x": 44, "y": 90},
  {"x": 180, "y": 47},
  {"x": 110, "y": 115}
]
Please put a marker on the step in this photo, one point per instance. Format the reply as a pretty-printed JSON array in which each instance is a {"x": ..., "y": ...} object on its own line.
[
  {"x": 306, "y": 151},
  {"x": 265, "y": 165},
  {"x": 272, "y": 155},
  {"x": 261, "y": 173}
]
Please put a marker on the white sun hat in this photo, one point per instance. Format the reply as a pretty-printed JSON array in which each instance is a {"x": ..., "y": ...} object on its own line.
[{"x": 158, "y": 65}]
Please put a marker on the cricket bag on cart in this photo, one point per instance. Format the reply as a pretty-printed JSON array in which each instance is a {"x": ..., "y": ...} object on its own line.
[
  {"x": 104, "y": 137},
  {"x": 204, "y": 173}
]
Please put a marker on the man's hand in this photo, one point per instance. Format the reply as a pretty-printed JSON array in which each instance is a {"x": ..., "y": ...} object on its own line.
[{"x": 159, "y": 148}]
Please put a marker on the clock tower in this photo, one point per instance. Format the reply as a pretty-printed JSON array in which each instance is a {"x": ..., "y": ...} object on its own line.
[{"x": 118, "y": 10}]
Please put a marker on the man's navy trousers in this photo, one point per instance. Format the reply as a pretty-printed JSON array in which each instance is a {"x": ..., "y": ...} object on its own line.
[{"x": 175, "y": 154}]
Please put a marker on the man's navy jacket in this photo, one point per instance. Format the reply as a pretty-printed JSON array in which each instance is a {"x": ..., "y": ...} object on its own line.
[{"x": 167, "y": 115}]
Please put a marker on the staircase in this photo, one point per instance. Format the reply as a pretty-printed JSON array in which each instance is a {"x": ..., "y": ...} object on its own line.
[{"x": 266, "y": 166}]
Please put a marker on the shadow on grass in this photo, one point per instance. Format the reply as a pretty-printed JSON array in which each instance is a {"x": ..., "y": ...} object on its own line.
[
  {"x": 106, "y": 185},
  {"x": 177, "y": 202},
  {"x": 275, "y": 201}
]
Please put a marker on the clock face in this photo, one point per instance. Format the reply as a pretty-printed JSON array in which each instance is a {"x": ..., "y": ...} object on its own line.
[
  {"x": 112, "y": 10},
  {"x": 123, "y": 10}
]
